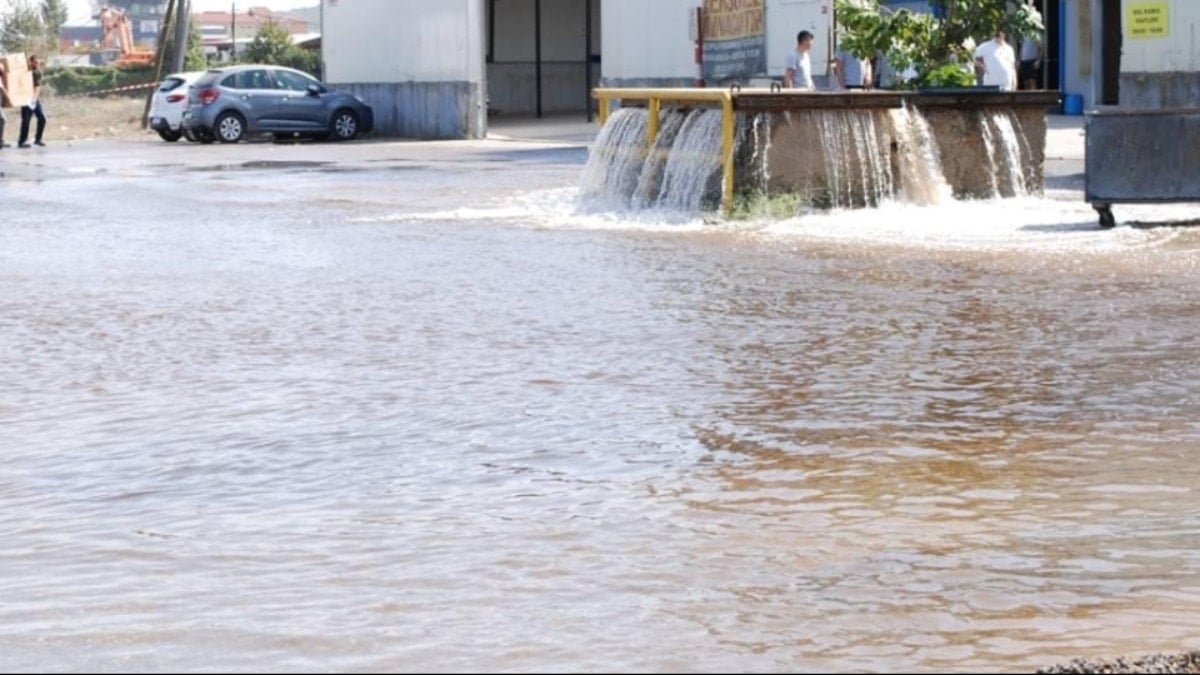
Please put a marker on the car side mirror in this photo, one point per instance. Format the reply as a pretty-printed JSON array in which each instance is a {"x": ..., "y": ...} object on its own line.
[{"x": 315, "y": 90}]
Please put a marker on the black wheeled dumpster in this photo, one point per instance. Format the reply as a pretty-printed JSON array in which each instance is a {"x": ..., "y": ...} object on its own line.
[{"x": 1141, "y": 156}]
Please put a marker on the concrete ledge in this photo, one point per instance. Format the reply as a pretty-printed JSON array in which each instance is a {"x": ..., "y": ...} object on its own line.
[{"x": 1160, "y": 90}]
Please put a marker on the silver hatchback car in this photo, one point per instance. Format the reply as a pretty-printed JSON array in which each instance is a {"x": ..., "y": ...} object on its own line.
[{"x": 227, "y": 104}]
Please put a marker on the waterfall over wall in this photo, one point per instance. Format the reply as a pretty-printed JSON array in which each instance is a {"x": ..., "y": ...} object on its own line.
[
  {"x": 680, "y": 172},
  {"x": 831, "y": 158}
]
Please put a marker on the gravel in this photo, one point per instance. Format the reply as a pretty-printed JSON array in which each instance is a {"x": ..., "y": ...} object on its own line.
[{"x": 1188, "y": 662}]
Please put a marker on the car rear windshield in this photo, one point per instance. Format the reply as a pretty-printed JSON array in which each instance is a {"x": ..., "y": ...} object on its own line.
[
  {"x": 171, "y": 83},
  {"x": 207, "y": 79}
]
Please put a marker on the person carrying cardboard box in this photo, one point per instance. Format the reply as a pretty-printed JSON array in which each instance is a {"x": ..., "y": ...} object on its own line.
[
  {"x": 34, "y": 108},
  {"x": 3, "y": 117}
]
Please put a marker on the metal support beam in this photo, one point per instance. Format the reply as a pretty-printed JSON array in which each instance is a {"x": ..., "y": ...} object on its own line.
[
  {"x": 587, "y": 56},
  {"x": 537, "y": 51}
]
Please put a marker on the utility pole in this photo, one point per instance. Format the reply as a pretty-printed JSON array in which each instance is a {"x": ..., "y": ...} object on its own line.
[
  {"x": 233, "y": 31},
  {"x": 183, "y": 22},
  {"x": 160, "y": 58}
]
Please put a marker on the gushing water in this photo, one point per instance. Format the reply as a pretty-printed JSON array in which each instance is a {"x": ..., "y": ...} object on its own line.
[
  {"x": 676, "y": 174},
  {"x": 866, "y": 158},
  {"x": 650, "y": 182},
  {"x": 693, "y": 162},
  {"x": 989, "y": 145},
  {"x": 615, "y": 163},
  {"x": 858, "y": 173},
  {"x": 1014, "y": 176},
  {"x": 922, "y": 180}
]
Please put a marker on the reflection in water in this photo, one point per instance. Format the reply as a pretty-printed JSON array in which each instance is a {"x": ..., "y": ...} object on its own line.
[
  {"x": 352, "y": 435},
  {"x": 936, "y": 470}
]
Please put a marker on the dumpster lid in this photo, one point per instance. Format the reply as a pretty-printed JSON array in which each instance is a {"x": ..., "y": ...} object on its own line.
[{"x": 1119, "y": 111}]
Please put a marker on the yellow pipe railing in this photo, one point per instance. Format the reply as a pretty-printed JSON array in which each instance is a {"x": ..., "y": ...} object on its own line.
[{"x": 655, "y": 98}]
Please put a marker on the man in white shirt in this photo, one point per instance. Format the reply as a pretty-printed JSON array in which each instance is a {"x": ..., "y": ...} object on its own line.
[
  {"x": 998, "y": 61},
  {"x": 798, "y": 73}
]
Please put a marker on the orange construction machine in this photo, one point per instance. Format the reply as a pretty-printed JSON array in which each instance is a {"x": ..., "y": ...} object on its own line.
[{"x": 117, "y": 33}]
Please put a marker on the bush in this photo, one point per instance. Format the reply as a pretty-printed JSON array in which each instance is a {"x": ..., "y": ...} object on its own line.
[
  {"x": 947, "y": 75},
  {"x": 81, "y": 80}
]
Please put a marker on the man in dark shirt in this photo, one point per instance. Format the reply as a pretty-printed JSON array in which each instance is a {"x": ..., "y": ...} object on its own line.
[{"x": 35, "y": 108}]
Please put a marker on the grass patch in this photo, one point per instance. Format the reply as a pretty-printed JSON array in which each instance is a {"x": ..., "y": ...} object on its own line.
[{"x": 753, "y": 205}]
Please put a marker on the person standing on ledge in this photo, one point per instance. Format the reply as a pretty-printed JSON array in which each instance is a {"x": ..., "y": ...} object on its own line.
[
  {"x": 798, "y": 73},
  {"x": 1031, "y": 62},
  {"x": 853, "y": 72},
  {"x": 998, "y": 61}
]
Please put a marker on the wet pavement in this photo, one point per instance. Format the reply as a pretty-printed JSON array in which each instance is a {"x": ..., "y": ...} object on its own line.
[{"x": 397, "y": 406}]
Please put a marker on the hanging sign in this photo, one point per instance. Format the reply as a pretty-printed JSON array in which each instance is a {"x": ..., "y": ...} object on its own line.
[
  {"x": 1148, "y": 20},
  {"x": 735, "y": 39}
]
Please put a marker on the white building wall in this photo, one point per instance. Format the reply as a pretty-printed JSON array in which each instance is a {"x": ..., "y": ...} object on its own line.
[
  {"x": 1178, "y": 51},
  {"x": 647, "y": 40},
  {"x": 402, "y": 40},
  {"x": 786, "y": 18},
  {"x": 650, "y": 40},
  {"x": 1162, "y": 72},
  {"x": 419, "y": 64}
]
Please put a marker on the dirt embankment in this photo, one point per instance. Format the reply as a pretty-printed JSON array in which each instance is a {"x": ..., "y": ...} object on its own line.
[{"x": 76, "y": 118}]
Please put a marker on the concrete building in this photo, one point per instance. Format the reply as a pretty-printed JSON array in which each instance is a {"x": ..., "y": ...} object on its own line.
[
  {"x": 434, "y": 69},
  {"x": 419, "y": 64},
  {"x": 438, "y": 70},
  {"x": 1160, "y": 58}
]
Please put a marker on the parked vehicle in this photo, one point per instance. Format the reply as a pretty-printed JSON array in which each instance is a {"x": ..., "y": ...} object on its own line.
[
  {"x": 228, "y": 104},
  {"x": 168, "y": 104}
]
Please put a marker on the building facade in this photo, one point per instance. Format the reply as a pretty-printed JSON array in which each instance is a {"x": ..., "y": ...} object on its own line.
[
  {"x": 1160, "y": 56},
  {"x": 435, "y": 69},
  {"x": 419, "y": 64}
]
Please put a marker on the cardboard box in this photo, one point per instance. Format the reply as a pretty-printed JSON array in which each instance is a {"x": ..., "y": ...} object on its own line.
[
  {"x": 18, "y": 89},
  {"x": 14, "y": 63}
]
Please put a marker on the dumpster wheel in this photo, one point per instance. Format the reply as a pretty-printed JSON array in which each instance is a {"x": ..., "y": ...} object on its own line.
[{"x": 1107, "y": 220}]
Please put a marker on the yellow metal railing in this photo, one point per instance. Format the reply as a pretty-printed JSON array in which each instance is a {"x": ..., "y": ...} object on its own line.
[{"x": 655, "y": 98}]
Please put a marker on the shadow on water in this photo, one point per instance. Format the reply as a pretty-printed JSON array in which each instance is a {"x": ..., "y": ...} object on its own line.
[{"x": 574, "y": 154}]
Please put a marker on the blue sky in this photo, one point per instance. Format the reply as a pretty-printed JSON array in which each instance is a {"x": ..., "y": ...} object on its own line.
[{"x": 81, "y": 9}]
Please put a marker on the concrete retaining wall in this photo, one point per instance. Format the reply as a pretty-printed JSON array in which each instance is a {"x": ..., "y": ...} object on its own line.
[
  {"x": 797, "y": 161},
  {"x": 1160, "y": 90}
]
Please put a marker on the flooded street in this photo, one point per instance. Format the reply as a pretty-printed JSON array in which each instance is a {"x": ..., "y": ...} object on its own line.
[{"x": 412, "y": 408}]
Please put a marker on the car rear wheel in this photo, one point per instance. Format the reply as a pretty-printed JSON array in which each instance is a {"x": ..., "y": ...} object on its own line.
[
  {"x": 230, "y": 128},
  {"x": 170, "y": 136},
  {"x": 344, "y": 126}
]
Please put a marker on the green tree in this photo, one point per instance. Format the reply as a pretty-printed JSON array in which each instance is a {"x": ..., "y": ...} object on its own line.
[
  {"x": 22, "y": 28},
  {"x": 54, "y": 15},
  {"x": 273, "y": 45}
]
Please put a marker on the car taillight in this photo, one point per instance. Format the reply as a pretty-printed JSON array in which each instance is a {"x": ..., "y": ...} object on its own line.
[
  {"x": 175, "y": 98},
  {"x": 207, "y": 96}
]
